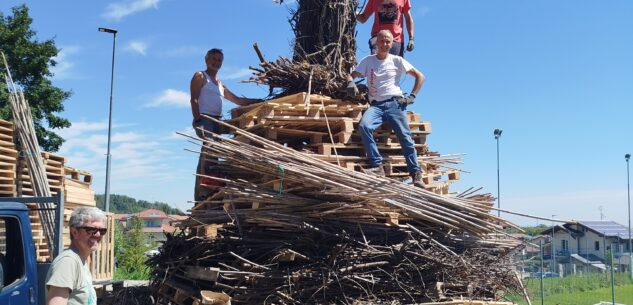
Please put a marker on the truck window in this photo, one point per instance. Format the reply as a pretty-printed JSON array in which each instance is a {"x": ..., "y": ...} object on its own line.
[{"x": 11, "y": 251}]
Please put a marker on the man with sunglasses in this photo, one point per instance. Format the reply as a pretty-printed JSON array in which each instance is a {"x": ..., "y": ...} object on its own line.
[{"x": 68, "y": 281}]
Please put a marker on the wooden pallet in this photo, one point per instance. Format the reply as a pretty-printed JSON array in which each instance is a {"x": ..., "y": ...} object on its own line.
[
  {"x": 78, "y": 175},
  {"x": 178, "y": 294},
  {"x": 101, "y": 262},
  {"x": 327, "y": 149}
]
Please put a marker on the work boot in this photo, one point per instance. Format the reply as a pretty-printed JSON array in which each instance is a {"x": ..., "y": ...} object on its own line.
[
  {"x": 417, "y": 179},
  {"x": 378, "y": 171}
]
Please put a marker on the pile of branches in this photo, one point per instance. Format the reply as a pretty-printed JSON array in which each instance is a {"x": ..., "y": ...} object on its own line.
[
  {"x": 324, "y": 51},
  {"x": 322, "y": 237},
  {"x": 315, "y": 188},
  {"x": 331, "y": 262},
  {"x": 134, "y": 295}
]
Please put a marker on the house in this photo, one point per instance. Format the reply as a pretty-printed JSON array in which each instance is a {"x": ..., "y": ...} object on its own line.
[
  {"x": 154, "y": 223},
  {"x": 588, "y": 245}
]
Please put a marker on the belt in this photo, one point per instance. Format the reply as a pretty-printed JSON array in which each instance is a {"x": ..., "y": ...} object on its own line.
[{"x": 374, "y": 102}]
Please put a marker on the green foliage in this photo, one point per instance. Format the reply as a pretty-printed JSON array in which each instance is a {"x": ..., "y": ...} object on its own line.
[
  {"x": 129, "y": 249},
  {"x": 122, "y": 204},
  {"x": 579, "y": 289},
  {"x": 29, "y": 61},
  {"x": 534, "y": 231}
]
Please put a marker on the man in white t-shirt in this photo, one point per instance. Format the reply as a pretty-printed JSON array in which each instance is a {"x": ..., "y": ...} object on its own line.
[
  {"x": 387, "y": 103},
  {"x": 207, "y": 94},
  {"x": 68, "y": 281}
]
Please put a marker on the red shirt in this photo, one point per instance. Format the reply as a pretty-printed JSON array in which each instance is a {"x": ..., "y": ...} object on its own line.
[{"x": 388, "y": 15}]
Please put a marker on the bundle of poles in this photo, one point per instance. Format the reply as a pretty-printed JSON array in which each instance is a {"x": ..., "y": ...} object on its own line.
[
  {"x": 326, "y": 235},
  {"x": 30, "y": 150}
]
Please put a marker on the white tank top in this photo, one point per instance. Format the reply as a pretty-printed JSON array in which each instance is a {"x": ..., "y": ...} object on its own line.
[{"x": 210, "y": 100}]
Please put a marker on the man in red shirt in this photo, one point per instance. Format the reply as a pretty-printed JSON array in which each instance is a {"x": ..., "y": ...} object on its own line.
[{"x": 388, "y": 15}]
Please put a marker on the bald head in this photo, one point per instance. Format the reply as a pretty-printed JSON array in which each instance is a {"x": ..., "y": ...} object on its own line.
[
  {"x": 385, "y": 33},
  {"x": 384, "y": 43}
]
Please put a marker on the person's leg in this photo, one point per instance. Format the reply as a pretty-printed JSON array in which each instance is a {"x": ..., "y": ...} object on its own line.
[
  {"x": 372, "y": 119},
  {"x": 396, "y": 115},
  {"x": 204, "y": 165},
  {"x": 372, "y": 45},
  {"x": 397, "y": 48}
]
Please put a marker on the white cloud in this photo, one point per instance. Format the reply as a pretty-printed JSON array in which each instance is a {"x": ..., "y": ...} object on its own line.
[
  {"x": 137, "y": 47},
  {"x": 78, "y": 128},
  {"x": 230, "y": 74},
  {"x": 136, "y": 156},
  {"x": 171, "y": 98},
  {"x": 64, "y": 69},
  {"x": 116, "y": 11}
]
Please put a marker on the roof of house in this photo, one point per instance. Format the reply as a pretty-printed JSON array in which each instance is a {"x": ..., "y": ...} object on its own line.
[
  {"x": 600, "y": 227},
  {"x": 151, "y": 213},
  {"x": 121, "y": 216},
  {"x": 607, "y": 228}
]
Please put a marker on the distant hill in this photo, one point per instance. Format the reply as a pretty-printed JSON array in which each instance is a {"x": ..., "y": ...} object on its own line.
[{"x": 121, "y": 204}]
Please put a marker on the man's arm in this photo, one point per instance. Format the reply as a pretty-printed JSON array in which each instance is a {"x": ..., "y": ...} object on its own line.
[
  {"x": 408, "y": 19},
  {"x": 58, "y": 295},
  {"x": 242, "y": 101},
  {"x": 362, "y": 17},
  {"x": 197, "y": 82},
  {"x": 419, "y": 79}
]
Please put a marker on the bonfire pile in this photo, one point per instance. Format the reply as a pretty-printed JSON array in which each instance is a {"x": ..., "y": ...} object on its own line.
[
  {"x": 285, "y": 227},
  {"x": 292, "y": 219}
]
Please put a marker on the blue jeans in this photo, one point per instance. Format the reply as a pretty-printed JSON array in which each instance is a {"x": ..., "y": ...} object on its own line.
[{"x": 396, "y": 115}]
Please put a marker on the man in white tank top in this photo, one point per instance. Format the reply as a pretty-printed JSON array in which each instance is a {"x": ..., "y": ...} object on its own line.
[{"x": 207, "y": 93}]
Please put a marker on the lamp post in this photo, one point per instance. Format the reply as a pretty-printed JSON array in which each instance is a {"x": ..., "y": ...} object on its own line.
[
  {"x": 553, "y": 267},
  {"x": 109, "y": 156},
  {"x": 497, "y": 134},
  {"x": 628, "y": 193}
]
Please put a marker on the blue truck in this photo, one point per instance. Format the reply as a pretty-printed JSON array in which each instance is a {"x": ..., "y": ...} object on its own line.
[{"x": 21, "y": 276}]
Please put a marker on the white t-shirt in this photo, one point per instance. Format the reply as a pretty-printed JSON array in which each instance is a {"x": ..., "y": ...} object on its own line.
[
  {"x": 383, "y": 76},
  {"x": 69, "y": 271},
  {"x": 210, "y": 100}
]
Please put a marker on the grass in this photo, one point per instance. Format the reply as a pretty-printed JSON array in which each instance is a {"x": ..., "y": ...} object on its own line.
[{"x": 579, "y": 290}]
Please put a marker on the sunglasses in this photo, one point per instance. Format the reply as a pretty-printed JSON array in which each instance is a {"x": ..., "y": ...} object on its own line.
[{"x": 92, "y": 231}]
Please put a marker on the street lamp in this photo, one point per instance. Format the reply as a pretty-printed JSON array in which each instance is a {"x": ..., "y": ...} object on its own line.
[
  {"x": 109, "y": 156},
  {"x": 628, "y": 193},
  {"x": 553, "y": 246},
  {"x": 497, "y": 134}
]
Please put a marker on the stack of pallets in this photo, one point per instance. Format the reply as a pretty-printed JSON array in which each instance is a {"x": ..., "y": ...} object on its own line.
[
  {"x": 8, "y": 160},
  {"x": 77, "y": 188},
  {"x": 54, "y": 164},
  {"x": 328, "y": 128},
  {"x": 76, "y": 185}
]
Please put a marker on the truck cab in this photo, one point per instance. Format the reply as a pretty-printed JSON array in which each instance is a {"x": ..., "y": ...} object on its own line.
[{"x": 18, "y": 269}]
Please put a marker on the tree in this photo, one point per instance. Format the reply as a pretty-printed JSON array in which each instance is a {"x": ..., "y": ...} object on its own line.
[
  {"x": 129, "y": 248},
  {"x": 122, "y": 204},
  {"x": 29, "y": 61}
]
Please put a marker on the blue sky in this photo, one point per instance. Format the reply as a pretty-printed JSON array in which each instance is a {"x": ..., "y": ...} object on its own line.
[{"x": 556, "y": 76}]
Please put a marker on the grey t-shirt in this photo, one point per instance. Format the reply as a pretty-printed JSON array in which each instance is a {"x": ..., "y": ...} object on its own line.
[{"x": 69, "y": 271}]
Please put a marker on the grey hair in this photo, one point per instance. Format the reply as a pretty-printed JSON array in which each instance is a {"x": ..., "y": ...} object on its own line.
[
  {"x": 83, "y": 215},
  {"x": 213, "y": 51}
]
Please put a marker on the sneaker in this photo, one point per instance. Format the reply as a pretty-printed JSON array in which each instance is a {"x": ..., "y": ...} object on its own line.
[
  {"x": 378, "y": 171},
  {"x": 417, "y": 179}
]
